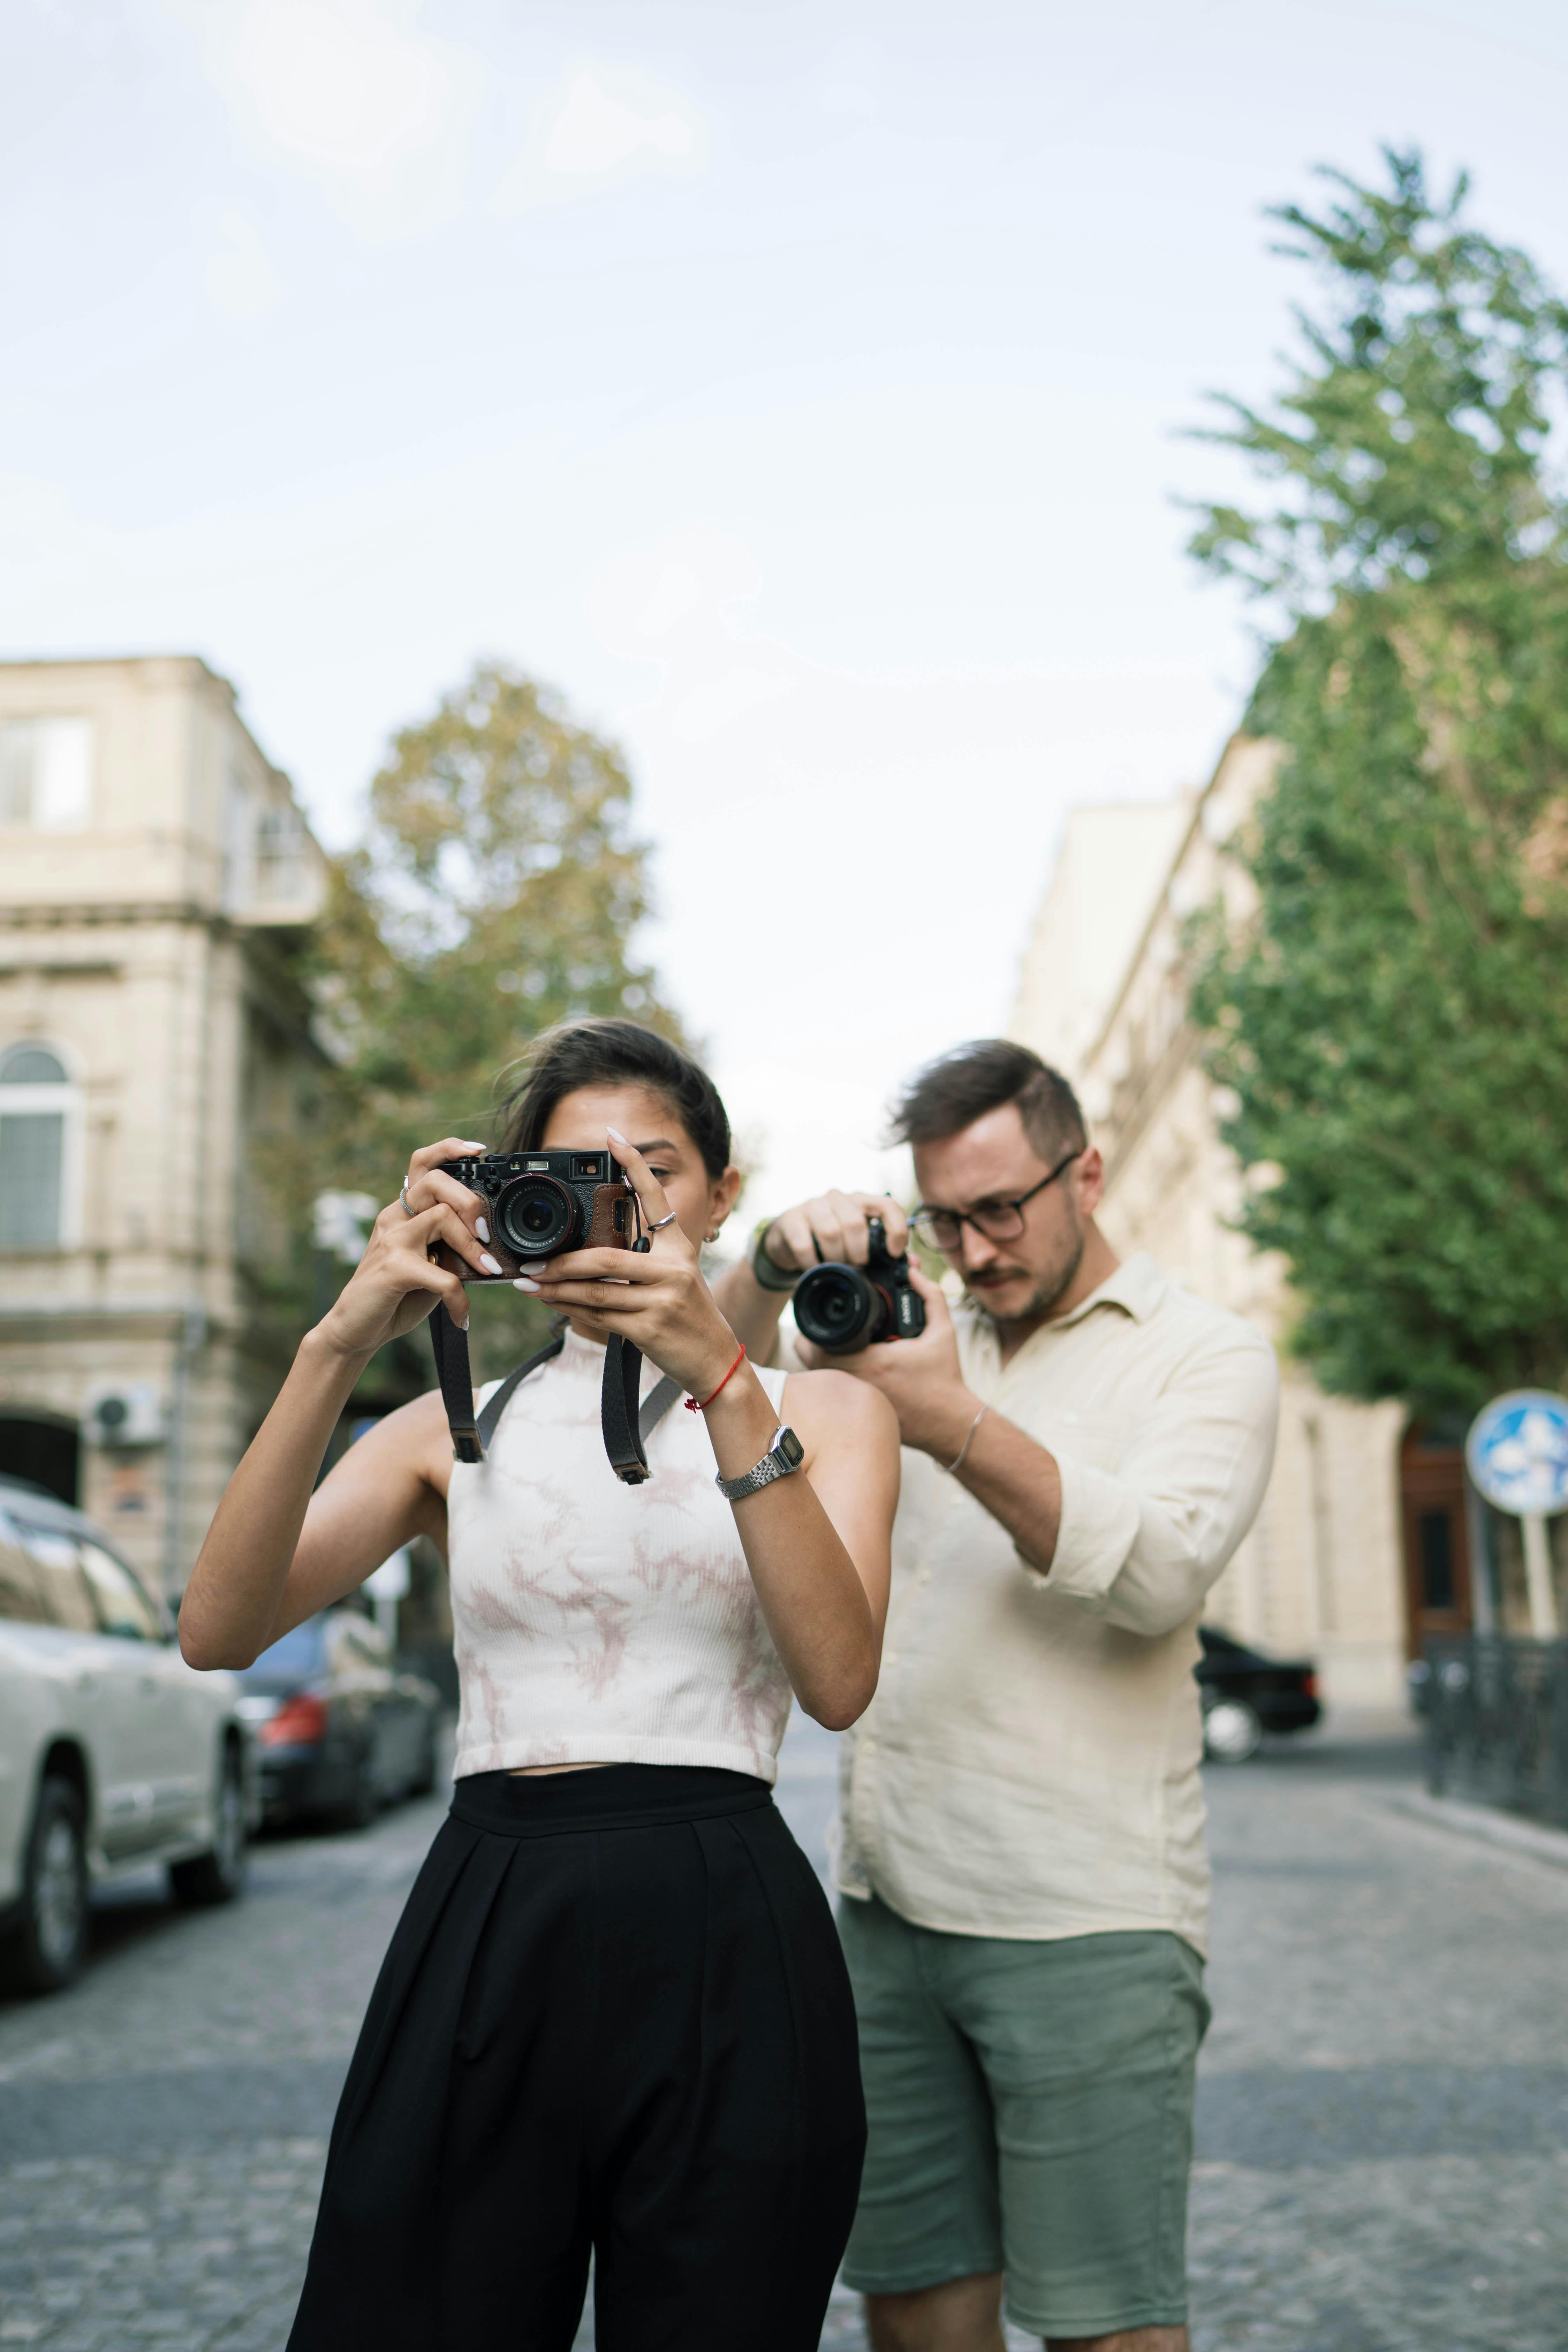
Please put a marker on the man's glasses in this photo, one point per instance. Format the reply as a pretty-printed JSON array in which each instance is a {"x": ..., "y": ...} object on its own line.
[{"x": 999, "y": 1220}]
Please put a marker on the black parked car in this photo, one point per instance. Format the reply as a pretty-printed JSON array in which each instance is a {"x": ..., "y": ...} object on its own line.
[
  {"x": 1245, "y": 1694},
  {"x": 338, "y": 1730}
]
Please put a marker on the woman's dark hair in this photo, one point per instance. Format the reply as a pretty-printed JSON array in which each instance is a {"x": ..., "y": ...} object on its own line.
[
  {"x": 951, "y": 1093},
  {"x": 608, "y": 1053}
]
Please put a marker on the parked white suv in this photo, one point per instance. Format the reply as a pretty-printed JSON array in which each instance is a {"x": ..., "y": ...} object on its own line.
[{"x": 113, "y": 1752}]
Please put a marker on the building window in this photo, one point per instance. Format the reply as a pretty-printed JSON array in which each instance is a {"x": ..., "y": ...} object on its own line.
[
  {"x": 46, "y": 773},
  {"x": 239, "y": 845},
  {"x": 37, "y": 1139},
  {"x": 281, "y": 875}
]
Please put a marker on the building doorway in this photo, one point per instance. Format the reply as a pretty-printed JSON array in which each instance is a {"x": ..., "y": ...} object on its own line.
[
  {"x": 1436, "y": 1535},
  {"x": 45, "y": 1449}
]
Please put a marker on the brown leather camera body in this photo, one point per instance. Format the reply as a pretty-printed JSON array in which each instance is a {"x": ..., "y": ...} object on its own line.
[{"x": 540, "y": 1205}]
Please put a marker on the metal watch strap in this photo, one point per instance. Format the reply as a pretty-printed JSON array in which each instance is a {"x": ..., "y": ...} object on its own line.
[
  {"x": 768, "y": 1276},
  {"x": 775, "y": 1464}
]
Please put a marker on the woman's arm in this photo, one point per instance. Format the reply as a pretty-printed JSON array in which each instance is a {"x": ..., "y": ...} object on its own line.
[
  {"x": 817, "y": 1544},
  {"x": 830, "y": 1524},
  {"x": 275, "y": 1553}
]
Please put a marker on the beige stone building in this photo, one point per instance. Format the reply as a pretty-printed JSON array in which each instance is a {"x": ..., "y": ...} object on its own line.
[
  {"x": 1361, "y": 1544},
  {"x": 156, "y": 1055}
]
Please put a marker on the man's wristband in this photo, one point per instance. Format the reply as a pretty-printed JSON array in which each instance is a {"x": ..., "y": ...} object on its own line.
[
  {"x": 767, "y": 1276},
  {"x": 956, "y": 1465}
]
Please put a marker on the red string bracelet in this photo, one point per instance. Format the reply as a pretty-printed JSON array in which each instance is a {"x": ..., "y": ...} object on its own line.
[{"x": 695, "y": 1405}]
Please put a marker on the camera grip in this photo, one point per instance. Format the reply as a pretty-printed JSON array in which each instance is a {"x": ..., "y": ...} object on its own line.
[{"x": 443, "y": 1255}]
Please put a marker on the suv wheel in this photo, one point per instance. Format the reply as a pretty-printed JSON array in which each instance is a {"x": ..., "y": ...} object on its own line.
[
  {"x": 217, "y": 1875},
  {"x": 50, "y": 1944},
  {"x": 1232, "y": 1732}
]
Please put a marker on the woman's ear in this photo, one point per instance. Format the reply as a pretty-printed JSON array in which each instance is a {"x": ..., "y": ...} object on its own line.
[{"x": 724, "y": 1193}]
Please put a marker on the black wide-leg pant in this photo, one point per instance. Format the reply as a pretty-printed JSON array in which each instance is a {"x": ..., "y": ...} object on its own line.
[{"x": 614, "y": 2017}]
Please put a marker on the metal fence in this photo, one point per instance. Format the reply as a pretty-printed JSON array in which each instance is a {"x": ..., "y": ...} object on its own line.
[{"x": 1497, "y": 1722}]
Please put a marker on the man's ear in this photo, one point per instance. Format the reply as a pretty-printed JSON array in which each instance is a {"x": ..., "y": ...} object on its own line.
[{"x": 1091, "y": 1175}]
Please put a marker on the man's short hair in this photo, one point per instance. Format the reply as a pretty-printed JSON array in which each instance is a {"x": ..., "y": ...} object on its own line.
[{"x": 960, "y": 1087}]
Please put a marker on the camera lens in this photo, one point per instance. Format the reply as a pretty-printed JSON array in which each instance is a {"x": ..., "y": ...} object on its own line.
[
  {"x": 536, "y": 1217},
  {"x": 839, "y": 1310}
]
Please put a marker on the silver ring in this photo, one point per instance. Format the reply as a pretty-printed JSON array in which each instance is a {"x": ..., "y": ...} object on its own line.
[
  {"x": 662, "y": 1222},
  {"x": 403, "y": 1196}
]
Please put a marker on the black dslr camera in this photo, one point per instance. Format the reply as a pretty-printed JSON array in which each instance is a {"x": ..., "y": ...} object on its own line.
[
  {"x": 843, "y": 1308},
  {"x": 541, "y": 1203}
]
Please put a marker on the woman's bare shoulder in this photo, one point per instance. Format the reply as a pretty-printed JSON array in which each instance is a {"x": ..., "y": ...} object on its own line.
[
  {"x": 828, "y": 1405},
  {"x": 414, "y": 1440}
]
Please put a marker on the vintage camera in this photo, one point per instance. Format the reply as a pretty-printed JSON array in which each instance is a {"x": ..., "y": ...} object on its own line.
[
  {"x": 842, "y": 1308},
  {"x": 539, "y": 1205}
]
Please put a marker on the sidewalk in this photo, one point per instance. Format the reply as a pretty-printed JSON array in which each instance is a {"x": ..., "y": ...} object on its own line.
[{"x": 1383, "y": 2124}]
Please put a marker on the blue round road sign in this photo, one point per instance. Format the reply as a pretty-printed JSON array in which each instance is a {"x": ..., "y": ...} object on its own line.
[{"x": 1518, "y": 1452}]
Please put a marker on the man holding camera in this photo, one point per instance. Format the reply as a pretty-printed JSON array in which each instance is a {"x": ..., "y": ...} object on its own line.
[{"x": 1020, "y": 1847}]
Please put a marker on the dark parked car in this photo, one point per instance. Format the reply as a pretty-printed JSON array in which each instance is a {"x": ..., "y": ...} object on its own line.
[
  {"x": 1245, "y": 1694},
  {"x": 339, "y": 1729}
]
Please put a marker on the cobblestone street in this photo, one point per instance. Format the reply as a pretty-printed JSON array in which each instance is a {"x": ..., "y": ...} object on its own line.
[{"x": 1382, "y": 2126}]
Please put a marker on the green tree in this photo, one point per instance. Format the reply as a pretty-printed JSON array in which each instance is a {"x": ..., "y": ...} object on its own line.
[
  {"x": 496, "y": 892},
  {"x": 1393, "y": 1020}
]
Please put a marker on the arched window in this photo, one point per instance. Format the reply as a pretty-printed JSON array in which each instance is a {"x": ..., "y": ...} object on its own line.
[{"x": 38, "y": 1127}]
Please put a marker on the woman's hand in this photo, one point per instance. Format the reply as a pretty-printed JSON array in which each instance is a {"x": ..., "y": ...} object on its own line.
[
  {"x": 657, "y": 1299},
  {"x": 427, "y": 1186},
  {"x": 395, "y": 1284}
]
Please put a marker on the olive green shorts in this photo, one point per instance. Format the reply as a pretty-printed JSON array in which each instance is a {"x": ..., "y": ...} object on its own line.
[{"x": 1031, "y": 2111}]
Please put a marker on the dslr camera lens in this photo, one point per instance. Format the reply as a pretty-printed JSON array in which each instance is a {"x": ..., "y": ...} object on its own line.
[{"x": 837, "y": 1309}]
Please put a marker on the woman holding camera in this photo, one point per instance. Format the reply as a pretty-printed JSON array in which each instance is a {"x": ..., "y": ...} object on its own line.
[{"x": 613, "y": 2016}]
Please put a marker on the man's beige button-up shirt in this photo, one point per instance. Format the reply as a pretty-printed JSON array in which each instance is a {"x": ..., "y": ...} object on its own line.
[{"x": 1029, "y": 1765}]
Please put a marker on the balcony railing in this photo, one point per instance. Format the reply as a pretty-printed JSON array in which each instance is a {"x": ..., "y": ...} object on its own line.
[{"x": 1497, "y": 1723}]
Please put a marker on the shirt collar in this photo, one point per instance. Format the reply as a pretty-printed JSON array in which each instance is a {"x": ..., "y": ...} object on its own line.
[{"x": 1137, "y": 1286}]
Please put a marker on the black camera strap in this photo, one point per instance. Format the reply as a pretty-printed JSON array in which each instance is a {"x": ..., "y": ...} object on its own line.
[
  {"x": 619, "y": 1415},
  {"x": 450, "y": 1349},
  {"x": 623, "y": 1426},
  {"x": 627, "y": 1429}
]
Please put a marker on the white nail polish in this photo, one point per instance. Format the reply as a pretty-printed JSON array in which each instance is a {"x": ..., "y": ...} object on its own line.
[
  {"x": 492, "y": 1265},
  {"x": 482, "y": 1229},
  {"x": 522, "y": 1282}
]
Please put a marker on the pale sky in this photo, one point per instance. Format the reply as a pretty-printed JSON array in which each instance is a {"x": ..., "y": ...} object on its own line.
[{"x": 798, "y": 388}]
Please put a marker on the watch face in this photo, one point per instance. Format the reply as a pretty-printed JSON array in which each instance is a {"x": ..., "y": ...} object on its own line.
[{"x": 790, "y": 1448}]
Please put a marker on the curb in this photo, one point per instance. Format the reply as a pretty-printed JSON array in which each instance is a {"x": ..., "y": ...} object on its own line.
[{"x": 1487, "y": 1826}]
